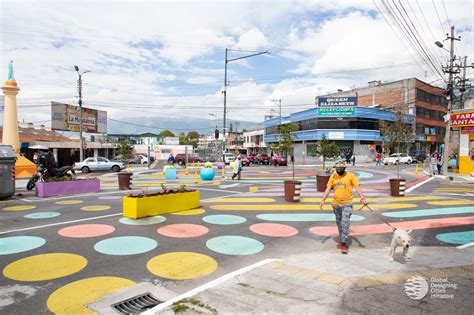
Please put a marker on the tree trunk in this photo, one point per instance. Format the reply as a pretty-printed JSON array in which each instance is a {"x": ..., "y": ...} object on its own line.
[
  {"x": 324, "y": 164},
  {"x": 293, "y": 163}
]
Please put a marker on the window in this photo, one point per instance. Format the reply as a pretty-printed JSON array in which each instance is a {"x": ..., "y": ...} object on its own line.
[
  {"x": 89, "y": 160},
  {"x": 101, "y": 160}
]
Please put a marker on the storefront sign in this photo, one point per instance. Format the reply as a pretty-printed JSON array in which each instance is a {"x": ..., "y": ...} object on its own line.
[
  {"x": 337, "y": 101},
  {"x": 336, "y": 111},
  {"x": 467, "y": 130},
  {"x": 336, "y": 135},
  {"x": 462, "y": 119}
]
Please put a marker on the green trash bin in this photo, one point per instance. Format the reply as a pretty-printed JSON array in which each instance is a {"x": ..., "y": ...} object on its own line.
[{"x": 7, "y": 171}]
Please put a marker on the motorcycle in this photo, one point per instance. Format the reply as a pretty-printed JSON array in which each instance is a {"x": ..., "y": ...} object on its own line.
[{"x": 46, "y": 169}]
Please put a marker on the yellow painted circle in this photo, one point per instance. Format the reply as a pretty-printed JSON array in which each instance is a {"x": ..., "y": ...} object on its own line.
[
  {"x": 44, "y": 267},
  {"x": 182, "y": 265},
  {"x": 73, "y": 297},
  {"x": 19, "y": 208},
  {"x": 68, "y": 202},
  {"x": 190, "y": 212},
  {"x": 95, "y": 208}
]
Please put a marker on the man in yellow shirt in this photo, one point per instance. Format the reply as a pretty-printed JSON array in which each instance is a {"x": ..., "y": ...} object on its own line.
[{"x": 342, "y": 182}]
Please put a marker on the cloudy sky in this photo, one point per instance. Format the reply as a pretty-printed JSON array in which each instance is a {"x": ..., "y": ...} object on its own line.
[{"x": 166, "y": 58}]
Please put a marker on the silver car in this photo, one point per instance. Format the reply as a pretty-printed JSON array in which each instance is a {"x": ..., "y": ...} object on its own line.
[{"x": 98, "y": 164}]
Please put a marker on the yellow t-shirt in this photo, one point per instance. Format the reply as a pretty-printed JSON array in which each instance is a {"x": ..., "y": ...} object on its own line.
[{"x": 342, "y": 186}]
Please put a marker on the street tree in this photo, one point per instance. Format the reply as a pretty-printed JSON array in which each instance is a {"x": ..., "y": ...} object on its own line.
[{"x": 325, "y": 148}]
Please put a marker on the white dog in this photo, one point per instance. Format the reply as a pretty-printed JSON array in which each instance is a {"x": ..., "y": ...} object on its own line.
[{"x": 400, "y": 238}]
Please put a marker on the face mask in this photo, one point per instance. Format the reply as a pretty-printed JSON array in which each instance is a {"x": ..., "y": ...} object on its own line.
[{"x": 341, "y": 172}]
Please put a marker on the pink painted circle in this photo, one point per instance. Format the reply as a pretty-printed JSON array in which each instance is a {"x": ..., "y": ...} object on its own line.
[
  {"x": 86, "y": 230},
  {"x": 274, "y": 229},
  {"x": 183, "y": 230}
]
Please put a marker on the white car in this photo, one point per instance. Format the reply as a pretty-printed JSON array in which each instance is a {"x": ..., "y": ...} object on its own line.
[
  {"x": 98, "y": 164},
  {"x": 229, "y": 157},
  {"x": 396, "y": 158}
]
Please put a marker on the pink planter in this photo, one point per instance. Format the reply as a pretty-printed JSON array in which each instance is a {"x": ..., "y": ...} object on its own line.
[{"x": 73, "y": 187}]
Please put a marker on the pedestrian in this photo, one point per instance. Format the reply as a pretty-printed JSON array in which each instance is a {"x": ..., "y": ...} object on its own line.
[
  {"x": 439, "y": 164},
  {"x": 353, "y": 159},
  {"x": 171, "y": 159},
  {"x": 275, "y": 159},
  {"x": 342, "y": 183},
  {"x": 237, "y": 168},
  {"x": 433, "y": 161},
  {"x": 378, "y": 159}
]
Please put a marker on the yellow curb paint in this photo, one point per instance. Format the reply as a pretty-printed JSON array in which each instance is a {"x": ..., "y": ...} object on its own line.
[
  {"x": 68, "y": 202},
  {"x": 451, "y": 202},
  {"x": 242, "y": 200},
  {"x": 95, "y": 208},
  {"x": 73, "y": 297},
  {"x": 19, "y": 208},
  {"x": 289, "y": 207},
  {"x": 181, "y": 265},
  {"x": 45, "y": 267},
  {"x": 382, "y": 200},
  {"x": 189, "y": 212}
]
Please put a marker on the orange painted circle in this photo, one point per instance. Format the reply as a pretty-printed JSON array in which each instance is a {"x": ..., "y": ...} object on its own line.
[
  {"x": 183, "y": 230},
  {"x": 274, "y": 229},
  {"x": 86, "y": 230}
]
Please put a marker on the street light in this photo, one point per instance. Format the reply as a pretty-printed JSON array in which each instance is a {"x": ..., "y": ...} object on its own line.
[
  {"x": 256, "y": 53},
  {"x": 79, "y": 89}
]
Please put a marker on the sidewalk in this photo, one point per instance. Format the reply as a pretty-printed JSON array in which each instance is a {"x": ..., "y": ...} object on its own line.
[{"x": 363, "y": 282}]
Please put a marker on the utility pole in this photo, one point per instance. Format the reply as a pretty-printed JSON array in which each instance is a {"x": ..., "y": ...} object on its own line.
[
  {"x": 462, "y": 89},
  {"x": 449, "y": 90},
  {"x": 79, "y": 89}
]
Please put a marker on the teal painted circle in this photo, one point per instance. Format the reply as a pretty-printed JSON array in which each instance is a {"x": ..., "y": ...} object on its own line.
[
  {"x": 234, "y": 245},
  {"x": 428, "y": 212},
  {"x": 301, "y": 217},
  {"x": 456, "y": 237},
  {"x": 144, "y": 221},
  {"x": 125, "y": 245},
  {"x": 18, "y": 244},
  {"x": 42, "y": 215},
  {"x": 224, "y": 219},
  {"x": 365, "y": 174}
]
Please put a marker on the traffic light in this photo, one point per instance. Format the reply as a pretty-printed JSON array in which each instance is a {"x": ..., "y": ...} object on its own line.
[{"x": 216, "y": 133}]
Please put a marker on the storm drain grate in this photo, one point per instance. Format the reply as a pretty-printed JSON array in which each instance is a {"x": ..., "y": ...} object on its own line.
[{"x": 137, "y": 304}]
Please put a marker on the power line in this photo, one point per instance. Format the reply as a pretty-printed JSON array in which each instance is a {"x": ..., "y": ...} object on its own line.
[{"x": 439, "y": 19}]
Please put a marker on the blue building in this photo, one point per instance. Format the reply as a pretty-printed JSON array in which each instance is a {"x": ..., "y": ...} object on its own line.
[{"x": 355, "y": 132}]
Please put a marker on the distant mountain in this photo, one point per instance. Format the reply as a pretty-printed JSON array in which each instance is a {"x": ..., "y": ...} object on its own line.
[{"x": 176, "y": 125}]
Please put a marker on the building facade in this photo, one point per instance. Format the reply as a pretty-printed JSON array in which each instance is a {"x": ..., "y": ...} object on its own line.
[
  {"x": 358, "y": 134},
  {"x": 253, "y": 141}
]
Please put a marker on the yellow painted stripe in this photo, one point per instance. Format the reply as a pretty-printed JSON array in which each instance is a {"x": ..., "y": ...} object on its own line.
[
  {"x": 454, "y": 190},
  {"x": 257, "y": 188},
  {"x": 451, "y": 202},
  {"x": 290, "y": 207},
  {"x": 383, "y": 199},
  {"x": 241, "y": 200}
]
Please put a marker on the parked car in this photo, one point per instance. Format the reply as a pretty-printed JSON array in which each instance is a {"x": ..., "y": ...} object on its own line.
[
  {"x": 181, "y": 159},
  {"x": 144, "y": 158},
  {"x": 229, "y": 157},
  {"x": 251, "y": 158},
  {"x": 396, "y": 158},
  {"x": 98, "y": 164},
  {"x": 262, "y": 159},
  {"x": 282, "y": 161},
  {"x": 245, "y": 160},
  {"x": 132, "y": 160}
]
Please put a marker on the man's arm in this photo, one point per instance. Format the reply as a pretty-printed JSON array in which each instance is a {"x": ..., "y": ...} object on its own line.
[
  {"x": 361, "y": 195},
  {"x": 323, "y": 198}
]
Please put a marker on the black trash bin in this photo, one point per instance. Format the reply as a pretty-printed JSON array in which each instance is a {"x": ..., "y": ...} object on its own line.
[{"x": 7, "y": 171}]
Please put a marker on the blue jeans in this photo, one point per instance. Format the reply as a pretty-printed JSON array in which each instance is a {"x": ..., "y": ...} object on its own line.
[{"x": 343, "y": 220}]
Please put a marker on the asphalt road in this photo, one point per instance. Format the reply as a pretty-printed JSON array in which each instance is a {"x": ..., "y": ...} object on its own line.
[{"x": 48, "y": 245}]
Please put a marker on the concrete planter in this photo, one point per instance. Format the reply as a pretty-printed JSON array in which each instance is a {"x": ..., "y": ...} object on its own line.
[
  {"x": 146, "y": 206},
  {"x": 321, "y": 182},
  {"x": 397, "y": 187},
  {"x": 292, "y": 190},
  {"x": 73, "y": 187}
]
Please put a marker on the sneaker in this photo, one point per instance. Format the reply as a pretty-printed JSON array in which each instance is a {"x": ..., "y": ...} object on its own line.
[
  {"x": 344, "y": 249},
  {"x": 338, "y": 245}
]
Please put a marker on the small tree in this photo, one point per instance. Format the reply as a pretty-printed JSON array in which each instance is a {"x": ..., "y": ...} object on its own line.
[
  {"x": 125, "y": 149},
  {"x": 397, "y": 132},
  {"x": 285, "y": 144},
  {"x": 166, "y": 133},
  {"x": 325, "y": 148}
]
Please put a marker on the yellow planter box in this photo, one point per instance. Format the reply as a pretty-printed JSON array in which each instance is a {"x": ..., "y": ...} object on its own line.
[{"x": 136, "y": 208}]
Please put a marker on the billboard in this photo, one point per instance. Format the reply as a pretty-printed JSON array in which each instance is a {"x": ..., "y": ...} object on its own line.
[
  {"x": 67, "y": 117},
  {"x": 336, "y": 106}
]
